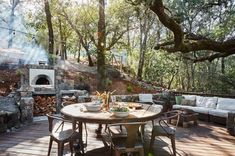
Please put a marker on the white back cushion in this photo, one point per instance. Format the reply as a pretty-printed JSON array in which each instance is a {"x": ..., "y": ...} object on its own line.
[
  {"x": 226, "y": 104},
  {"x": 199, "y": 101},
  {"x": 210, "y": 102},
  {"x": 146, "y": 97},
  {"x": 189, "y": 97}
]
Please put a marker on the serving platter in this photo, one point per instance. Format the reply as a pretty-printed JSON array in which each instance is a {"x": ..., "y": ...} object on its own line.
[{"x": 135, "y": 105}]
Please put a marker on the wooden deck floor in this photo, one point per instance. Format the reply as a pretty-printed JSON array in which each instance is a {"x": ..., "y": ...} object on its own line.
[{"x": 206, "y": 139}]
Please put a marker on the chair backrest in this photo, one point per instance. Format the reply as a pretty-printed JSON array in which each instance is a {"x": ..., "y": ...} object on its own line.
[
  {"x": 57, "y": 122},
  {"x": 132, "y": 130},
  {"x": 146, "y": 98},
  {"x": 168, "y": 117}
]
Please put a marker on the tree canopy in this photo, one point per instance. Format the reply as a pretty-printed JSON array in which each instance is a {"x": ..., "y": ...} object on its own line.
[
  {"x": 157, "y": 41},
  {"x": 187, "y": 40}
]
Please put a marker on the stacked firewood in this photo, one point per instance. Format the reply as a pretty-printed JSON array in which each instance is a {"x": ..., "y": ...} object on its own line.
[
  {"x": 67, "y": 100},
  {"x": 44, "y": 105}
]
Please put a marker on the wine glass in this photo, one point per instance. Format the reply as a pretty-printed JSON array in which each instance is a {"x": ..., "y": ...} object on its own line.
[{"x": 113, "y": 100}]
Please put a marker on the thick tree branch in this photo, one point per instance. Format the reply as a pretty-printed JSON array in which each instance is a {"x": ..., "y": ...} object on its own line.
[
  {"x": 209, "y": 58},
  {"x": 190, "y": 42},
  {"x": 218, "y": 3},
  {"x": 116, "y": 37},
  {"x": 158, "y": 8}
]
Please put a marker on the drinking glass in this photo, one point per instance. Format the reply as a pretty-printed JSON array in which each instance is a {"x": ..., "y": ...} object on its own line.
[{"x": 113, "y": 100}]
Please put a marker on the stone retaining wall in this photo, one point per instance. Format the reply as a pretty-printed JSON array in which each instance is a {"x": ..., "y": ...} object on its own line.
[
  {"x": 9, "y": 114},
  {"x": 13, "y": 113}
]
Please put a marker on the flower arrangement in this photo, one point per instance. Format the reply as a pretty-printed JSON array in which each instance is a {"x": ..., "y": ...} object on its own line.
[
  {"x": 105, "y": 98},
  {"x": 120, "y": 109}
]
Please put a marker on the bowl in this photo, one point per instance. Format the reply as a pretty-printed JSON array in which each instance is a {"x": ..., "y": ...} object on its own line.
[
  {"x": 93, "y": 107},
  {"x": 120, "y": 111},
  {"x": 121, "y": 114}
]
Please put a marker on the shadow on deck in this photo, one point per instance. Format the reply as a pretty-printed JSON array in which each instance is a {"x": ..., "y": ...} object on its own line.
[{"x": 202, "y": 140}]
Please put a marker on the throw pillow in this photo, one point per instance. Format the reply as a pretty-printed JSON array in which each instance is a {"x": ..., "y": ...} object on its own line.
[
  {"x": 188, "y": 102},
  {"x": 210, "y": 102},
  {"x": 178, "y": 99}
]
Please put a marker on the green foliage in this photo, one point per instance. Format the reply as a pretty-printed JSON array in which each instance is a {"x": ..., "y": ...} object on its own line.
[
  {"x": 129, "y": 88},
  {"x": 120, "y": 109},
  {"x": 81, "y": 78},
  {"x": 108, "y": 82},
  {"x": 19, "y": 72},
  {"x": 123, "y": 23}
]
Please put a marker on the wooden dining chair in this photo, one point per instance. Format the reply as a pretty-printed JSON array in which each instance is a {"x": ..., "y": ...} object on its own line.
[
  {"x": 165, "y": 128},
  {"x": 131, "y": 142},
  {"x": 77, "y": 124},
  {"x": 61, "y": 134}
]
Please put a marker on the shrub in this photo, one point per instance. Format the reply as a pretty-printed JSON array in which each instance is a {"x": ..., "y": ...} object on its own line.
[{"x": 129, "y": 88}]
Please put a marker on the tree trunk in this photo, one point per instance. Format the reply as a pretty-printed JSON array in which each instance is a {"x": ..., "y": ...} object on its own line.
[
  {"x": 143, "y": 44},
  {"x": 171, "y": 80},
  {"x": 193, "y": 75},
  {"x": 65, "y": 50},
  {"x": 62, "y": 43},
  {"x": 79, "y": 50},
  {"x": 50, "y": 30},
  {"x": 101, "y": 48},
  {"x": 128, "y": 41},
  {"x": 90, "y": 62},
  {"x": 222, "y": 66},
  {"x": 188, "y": 76},
  {"x": 11, "y": 33}
]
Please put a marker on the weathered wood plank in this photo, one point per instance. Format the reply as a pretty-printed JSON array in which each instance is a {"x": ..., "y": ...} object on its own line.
[{"x": 206, "y": 139}]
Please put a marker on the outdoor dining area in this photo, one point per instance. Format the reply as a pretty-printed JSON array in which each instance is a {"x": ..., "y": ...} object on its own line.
[{"x": 141, "y": 128}]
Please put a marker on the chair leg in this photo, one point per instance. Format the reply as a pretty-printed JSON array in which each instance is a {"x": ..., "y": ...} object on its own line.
[
  {"x": 116, "y": 153},
  {"x": 60, "y": 149},
  {"x": 151, "y": 142},
  {"x": 106, "y": 127},
  {"x": 141, "y": 152},
  {"x": 173, "y": 145},
  {"x": 71, "y": 147},
  {"x": 49, "y": 148}
]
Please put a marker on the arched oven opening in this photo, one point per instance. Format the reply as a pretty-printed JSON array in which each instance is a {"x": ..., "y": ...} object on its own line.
[{"x": 42, "y": 80}]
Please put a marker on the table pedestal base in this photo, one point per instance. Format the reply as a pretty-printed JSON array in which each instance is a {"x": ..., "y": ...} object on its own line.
[{"x": 98, "y": 131}]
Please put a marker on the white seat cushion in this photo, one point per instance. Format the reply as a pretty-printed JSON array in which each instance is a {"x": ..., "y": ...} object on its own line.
[
  {"x": 226, "y": 104},
  {"x": 219, "y": 112},
  {"x": 182, "y": 106},
  {"x": 145, "y": 97},
  {"x": 202, "y": 110}
]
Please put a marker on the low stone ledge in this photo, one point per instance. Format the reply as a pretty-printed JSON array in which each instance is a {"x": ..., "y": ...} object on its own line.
[
  {"x": 9, "y": 114},
  {"x": 26, "y": 108}
]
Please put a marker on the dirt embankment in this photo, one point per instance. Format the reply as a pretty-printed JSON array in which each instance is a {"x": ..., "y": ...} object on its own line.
[
  {"x": 83, "y": 76},
  {"x": 8, "y": 81}
]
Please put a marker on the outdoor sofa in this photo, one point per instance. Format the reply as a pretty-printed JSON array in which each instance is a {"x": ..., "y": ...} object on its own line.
[{"x": 215, "y": 109}]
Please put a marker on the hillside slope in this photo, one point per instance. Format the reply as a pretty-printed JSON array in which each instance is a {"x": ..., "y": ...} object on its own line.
[{"x": 82, "y": 76}]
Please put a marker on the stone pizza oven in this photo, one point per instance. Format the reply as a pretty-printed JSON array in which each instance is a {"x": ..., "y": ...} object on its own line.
[
  {"x": 39, "y": 83},
  {"x": 39, "y": 78}
]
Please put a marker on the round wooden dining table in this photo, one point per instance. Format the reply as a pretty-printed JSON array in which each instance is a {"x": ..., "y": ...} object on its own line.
[{"x": 78, "y": 114}]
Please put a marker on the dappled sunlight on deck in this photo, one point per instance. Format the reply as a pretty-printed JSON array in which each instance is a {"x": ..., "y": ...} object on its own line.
[{"x": 202, "y": 140}]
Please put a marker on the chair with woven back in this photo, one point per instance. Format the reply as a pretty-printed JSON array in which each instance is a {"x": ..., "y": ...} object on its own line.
[
  {"x": 61, "y": 133},
  {"x": 166, "y": 128},
  {"x": 130, "y": 142}
]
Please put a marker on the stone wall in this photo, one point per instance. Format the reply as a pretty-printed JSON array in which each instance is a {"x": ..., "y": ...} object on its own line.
[
  {"x": 9, "y": 114},
  {"x": 165, "y": 99}
]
